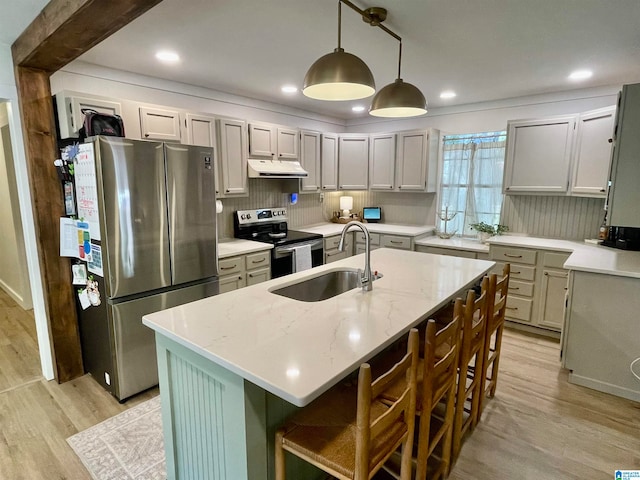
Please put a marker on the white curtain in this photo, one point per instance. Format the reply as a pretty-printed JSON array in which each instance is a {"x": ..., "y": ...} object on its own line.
[{"x": 471, "y": 186}]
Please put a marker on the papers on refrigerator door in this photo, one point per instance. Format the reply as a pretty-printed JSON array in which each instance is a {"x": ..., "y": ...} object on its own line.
[
  {"x": 86, "y": 188},
  {"x": 68, "y": 237},
  {"x": 79, "y": 274},
  {"x": 95, "y": 264}
]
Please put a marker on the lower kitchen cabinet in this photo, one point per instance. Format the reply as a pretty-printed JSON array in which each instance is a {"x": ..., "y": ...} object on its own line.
[
  {"x": 244, "y": 270},
  {"x": 537, "y": 288},
  {"x": 331, "y": 252},
  {"x": 452, "y": 252}
]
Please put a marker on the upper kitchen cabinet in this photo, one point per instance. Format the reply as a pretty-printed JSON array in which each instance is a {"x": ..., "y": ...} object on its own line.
[
  {"x": 160, "y": 124},
  {"x": 199, "y": 130},
  {"x": 232, "y": 138},
  {"x": 624, "y": 194},
  {"x": 592, "y": 154},
  {"x": 382, "y": 161},
  {"x": 353, "y": 162},
  {"x": 70, "y": 114},
  {"x": 272, "y": 142},
  {"x": 310, "y": 161},
  {"x": 538, "y": 156},
  {"x": 329, "y": 161},
  {"x": 417, "y": 160}
]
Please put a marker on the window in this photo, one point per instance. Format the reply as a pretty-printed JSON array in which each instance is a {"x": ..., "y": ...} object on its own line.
[{"x": 471, "y": 189}]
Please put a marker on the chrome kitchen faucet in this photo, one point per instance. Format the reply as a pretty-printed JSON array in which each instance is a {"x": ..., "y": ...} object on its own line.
[{"x": 366, "y": 279}]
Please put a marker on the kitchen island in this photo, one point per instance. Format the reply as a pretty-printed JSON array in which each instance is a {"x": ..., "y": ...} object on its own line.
[{"x": 233, "y": 367}]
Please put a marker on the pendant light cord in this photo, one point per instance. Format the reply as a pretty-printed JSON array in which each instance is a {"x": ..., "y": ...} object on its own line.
[
  {"x": 399, "y": 58},
  {"x": 339, "y": 24}
]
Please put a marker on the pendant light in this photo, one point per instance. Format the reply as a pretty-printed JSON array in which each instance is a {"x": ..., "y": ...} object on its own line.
[
  {"x": 339, "y": 75},
  {"x": 398, "y": 99}
]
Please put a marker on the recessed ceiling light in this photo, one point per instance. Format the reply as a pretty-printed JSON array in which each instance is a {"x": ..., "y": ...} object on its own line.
[
  {"x": 289, "y": 89},
  {"x": 580, "y": 75},
  {"x": 167, "y": 56},
  {"x": 358, "y": 108},
  {"x": 448, "y": 94}
]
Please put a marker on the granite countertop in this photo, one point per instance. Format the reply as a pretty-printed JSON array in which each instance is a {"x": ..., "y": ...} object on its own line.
[
  {"x": 455, "y": 243},
  {"x": 228, "y": 247},
  {"x": 585, "y": 257},
  {"x": 329, "y": 229},
  {"x": 297, "y": 350}
]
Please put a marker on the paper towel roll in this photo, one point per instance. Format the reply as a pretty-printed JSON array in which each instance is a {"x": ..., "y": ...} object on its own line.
[{"x": 218, "y": 206}]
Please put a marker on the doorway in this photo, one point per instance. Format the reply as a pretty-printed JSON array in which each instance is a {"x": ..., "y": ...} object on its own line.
[{"x": 14, "y": 276}]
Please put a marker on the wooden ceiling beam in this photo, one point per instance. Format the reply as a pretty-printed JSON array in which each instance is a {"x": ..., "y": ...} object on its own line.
[{"x": 63, "y": 31}]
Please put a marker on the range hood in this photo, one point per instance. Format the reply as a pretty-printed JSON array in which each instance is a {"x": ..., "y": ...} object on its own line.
[{"x": 275, "y": 169}]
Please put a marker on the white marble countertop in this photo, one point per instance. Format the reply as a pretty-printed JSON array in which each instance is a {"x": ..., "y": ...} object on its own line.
[
  {"x": 455, "y": 243},
  {"x": 329, "y": 229},
  {"x": 297, "y": 350},
  {"x": 585, "y": 257},
  {"x": 228, "y": 247}
]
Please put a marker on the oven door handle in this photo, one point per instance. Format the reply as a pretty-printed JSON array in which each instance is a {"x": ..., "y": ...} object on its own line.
[{"x": 313, "y": 244}]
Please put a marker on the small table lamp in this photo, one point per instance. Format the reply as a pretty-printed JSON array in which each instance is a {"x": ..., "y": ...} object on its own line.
[{"x": 346, "y": 204}]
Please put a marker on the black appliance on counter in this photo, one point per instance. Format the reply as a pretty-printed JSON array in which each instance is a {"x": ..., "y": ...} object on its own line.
[
  {"x": 269, "y": 225},
  {"x": 625, "y": 238}
]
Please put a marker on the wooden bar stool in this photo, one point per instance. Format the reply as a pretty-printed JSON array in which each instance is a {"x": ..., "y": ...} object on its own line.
[
  {"x": 474, "y": 325},
  {"x": 496, "y": 308},
  {"x": 435, "y": 404},
  {"x": 350, "y": 433}
]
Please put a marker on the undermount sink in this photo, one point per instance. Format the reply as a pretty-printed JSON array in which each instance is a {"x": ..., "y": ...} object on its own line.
[{"x": 323, "y": 286}]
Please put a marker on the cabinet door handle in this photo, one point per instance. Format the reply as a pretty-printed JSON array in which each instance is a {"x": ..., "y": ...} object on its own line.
[
  {"x": 516, "y": 273},
  {"x": 146, "y": 134},
  {"x": 229, "y": 268},
  {"x": 514, "y": 288},
  {"x": 512, "y": 256},
  {"x": 258, "y": 261},
  {"x": 602, "y": 190},
  {"x": 395, "y": 241},
  {"x": 511, "y": 308},
  {"x": 610, "y": 140}
]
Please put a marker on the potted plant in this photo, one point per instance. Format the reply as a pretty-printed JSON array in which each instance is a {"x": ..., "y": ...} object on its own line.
[{"x": 485, "y": 230}]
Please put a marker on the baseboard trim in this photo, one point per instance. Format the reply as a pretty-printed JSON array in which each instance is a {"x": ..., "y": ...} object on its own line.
[
  {"x": 15, "y": 295},
  {"x": 604, "y": 387},
  {"x": 528, "y": 328}
]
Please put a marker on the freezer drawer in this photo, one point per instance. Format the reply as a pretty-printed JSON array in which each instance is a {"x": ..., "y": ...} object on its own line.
[{"x": 134, "y": 343}]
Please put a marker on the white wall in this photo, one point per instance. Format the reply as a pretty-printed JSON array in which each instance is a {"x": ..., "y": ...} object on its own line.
[
  {"x": 14, "y": 277},
  {"x": 9, "y": 93}
]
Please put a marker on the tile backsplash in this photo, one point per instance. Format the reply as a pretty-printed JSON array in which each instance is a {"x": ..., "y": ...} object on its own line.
[{"x": 403, "y": 208}]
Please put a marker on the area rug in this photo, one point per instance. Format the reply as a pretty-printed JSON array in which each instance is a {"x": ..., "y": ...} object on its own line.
[{"x": 128, "y": 446}]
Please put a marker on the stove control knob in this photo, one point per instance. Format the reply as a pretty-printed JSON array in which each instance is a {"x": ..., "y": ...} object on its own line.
[
  {"x": 248, "y": 216},
  {"x": 243, "y": 216}
]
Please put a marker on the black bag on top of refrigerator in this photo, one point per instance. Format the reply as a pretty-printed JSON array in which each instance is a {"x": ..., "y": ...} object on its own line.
[{"x": 96, "y": 123}]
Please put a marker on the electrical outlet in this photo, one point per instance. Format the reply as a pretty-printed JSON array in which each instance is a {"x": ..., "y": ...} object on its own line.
[
  {"x": 107, "y": 378},
  {"x": 321, "y": 197}
]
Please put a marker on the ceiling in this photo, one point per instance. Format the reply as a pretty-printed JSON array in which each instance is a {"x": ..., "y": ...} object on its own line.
[{"x": 483, "y": 50}]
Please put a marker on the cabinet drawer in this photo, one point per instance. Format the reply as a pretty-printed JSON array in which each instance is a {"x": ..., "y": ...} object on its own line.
[
  {"x": 393, "y": 241},
  {"x": 229, "y": 283},
  {"x": 513, "y": 255},
  {"x": 258, "y": 275},
  {"x": 519, "y": 308},
  {"x": 360, "y": 248},
  {"x": 257, "y": 260},
  {"x": 375, "y": 238},
  {"x": 518, "y": 272},
  {"x": 231, "y": 265},
  {"x": 554, "y": 260},
  {"x": 331, "y": 243},
  {"x": 524, "y": 289},
  {"x": 334, "y": 256}
]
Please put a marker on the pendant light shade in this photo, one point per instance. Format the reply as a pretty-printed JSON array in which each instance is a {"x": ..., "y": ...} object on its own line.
[
  {"x": 339, "y": 76},
  {"x": 398, "y": 99}
]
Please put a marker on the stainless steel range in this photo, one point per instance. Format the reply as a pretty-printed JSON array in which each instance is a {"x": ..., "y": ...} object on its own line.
[{"x": 269, "y": 225}]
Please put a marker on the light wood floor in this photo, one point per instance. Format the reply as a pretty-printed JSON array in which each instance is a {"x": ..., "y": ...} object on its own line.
[{"x": 537, "y": 427}]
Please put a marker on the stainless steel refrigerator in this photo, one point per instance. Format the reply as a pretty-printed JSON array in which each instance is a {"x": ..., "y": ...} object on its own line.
[{"x": 157, "y": 222}]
